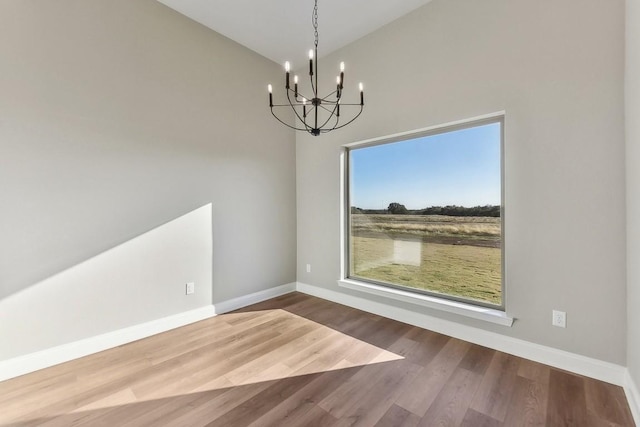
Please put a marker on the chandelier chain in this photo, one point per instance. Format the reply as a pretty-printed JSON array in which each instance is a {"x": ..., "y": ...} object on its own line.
[{"x": 315, "y": 23}]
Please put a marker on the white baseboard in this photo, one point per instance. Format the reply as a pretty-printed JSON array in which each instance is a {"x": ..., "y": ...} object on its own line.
[
  {"x": 594, "y": 368},
  {"x": 21, "y": 365},
  {"x": 243, "y": 301},
  {"x": 633, "y": 396},
  {"x": 582, "y": 365}
]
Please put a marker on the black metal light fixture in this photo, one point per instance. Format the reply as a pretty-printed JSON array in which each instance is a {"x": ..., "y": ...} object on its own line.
[{"x": 314, "y": 114}]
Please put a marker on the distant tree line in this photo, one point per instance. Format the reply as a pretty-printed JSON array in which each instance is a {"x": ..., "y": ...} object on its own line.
[
  {"x": 453, "y": 210},
  {"x": 449, "y": 210}
]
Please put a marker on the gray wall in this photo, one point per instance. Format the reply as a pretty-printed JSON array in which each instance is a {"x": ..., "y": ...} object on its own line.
[
  {"x": 556, "y": 68},
  {"x": 632, "y": 113},
  {"x": 118, "y": 116}
]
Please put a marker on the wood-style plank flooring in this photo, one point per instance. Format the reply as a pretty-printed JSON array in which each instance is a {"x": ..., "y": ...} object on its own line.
[{"x": 302, "y": 361}]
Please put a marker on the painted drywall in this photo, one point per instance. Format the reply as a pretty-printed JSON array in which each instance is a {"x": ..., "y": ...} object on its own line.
[
  {"x": 106, "y": 292},
  {"x": 632, "y": 126},
  {"x": 557, "y": 69},
  {"x": 120, "y": 116}
]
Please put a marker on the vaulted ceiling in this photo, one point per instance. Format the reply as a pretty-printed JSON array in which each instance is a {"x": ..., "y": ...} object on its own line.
[{"x": 282, "y": 29}]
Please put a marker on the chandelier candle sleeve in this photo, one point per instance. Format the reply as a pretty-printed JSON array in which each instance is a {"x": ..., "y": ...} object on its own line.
[
  {"x": 311, "y": 62},
  {"x": 270, "y": 89},
  {"x": 287, "y": 66}
]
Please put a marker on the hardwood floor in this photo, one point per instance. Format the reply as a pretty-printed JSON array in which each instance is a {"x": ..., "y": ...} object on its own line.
[{"x": 302, "y": 361}]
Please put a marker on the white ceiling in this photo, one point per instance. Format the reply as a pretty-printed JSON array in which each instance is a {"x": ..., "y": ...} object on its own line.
[{"x": 282, "y": 29}]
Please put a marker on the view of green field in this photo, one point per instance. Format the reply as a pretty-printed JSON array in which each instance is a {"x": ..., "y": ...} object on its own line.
[{"x": 453, "y": 255}]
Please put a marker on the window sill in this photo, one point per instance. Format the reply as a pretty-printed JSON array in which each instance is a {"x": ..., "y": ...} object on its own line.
[{"x": 491, "y": 315}]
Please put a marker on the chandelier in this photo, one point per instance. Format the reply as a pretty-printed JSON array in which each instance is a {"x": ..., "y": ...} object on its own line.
[{"x": 314, "y": 114}]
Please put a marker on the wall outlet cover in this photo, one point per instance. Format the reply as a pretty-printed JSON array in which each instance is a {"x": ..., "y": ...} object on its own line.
[
  {"x": 190, "y": 288},
  {"x": 559, "y": 319}
]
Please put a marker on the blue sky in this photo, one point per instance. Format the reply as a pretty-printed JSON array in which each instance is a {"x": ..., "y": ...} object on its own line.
[{"x": 455, "y": 168}]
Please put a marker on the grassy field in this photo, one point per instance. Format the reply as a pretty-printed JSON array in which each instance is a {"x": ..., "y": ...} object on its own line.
[{"x": 459, "y": 256}]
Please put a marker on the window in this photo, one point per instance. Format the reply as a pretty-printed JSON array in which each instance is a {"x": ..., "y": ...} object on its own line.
[{"x": 425, "y": 212}]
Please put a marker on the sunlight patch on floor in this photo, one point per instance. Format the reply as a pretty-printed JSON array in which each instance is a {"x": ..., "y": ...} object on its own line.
[{"x": 294, "y": 346}]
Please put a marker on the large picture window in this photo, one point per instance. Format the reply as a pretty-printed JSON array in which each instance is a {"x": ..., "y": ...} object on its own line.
[{"x": 425, "y": 212}]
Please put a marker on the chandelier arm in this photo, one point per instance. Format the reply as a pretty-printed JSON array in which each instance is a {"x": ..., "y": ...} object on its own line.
[
  {"x": 323, "y": 128},
  {"x": 331, "y": 94},
  {"x": 297, "y": 104},
  {"x": 295, "y": 98},
  {"x": 311, "y": 80},
  {"x": 357, "y": 115},
  {"x": 287, "y": 124},
  {"x": 332, "y": 114},
  {"x": 334, "y": 125},
  {"x": 295, "y": 111},
  {"x": 286, "y": 105},
  {"x": 332, "y": 111},
  {"x": 329, "y": 129}
]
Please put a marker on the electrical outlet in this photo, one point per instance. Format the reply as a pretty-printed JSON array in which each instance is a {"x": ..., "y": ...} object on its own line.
[
  {"x": 191, "y": 288},
  {"x": 308, "y": 268},
  {"x": 559, "y": 319}
]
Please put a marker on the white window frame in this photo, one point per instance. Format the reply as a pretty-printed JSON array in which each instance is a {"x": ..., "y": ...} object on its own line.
[{"x": 465, "y": 307}]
